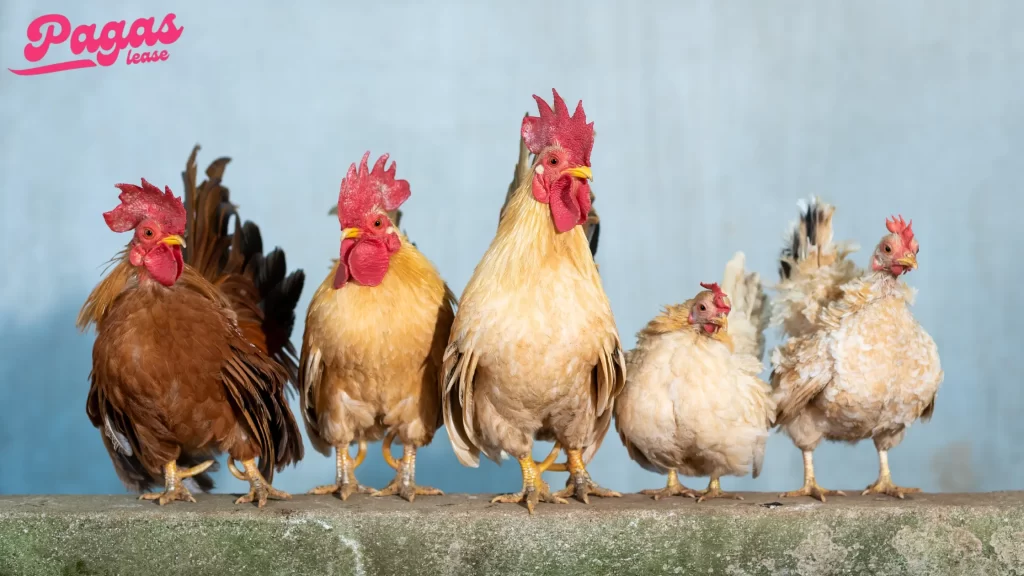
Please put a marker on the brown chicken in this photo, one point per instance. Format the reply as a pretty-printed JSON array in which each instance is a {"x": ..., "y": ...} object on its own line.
[
  {"x": 694, "y": 403},
  {"x": 375, "y": 336},
  {"x": 860, "y": 365},
  {"x": 192, "y": 354},
  {"x": 534, "y": 352}
]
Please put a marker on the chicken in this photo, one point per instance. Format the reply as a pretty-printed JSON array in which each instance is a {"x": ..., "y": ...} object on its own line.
[
  {"x": 864, "y": 368},
  {"x": 693, "y": 402},
  {"x": 534, "y": 352},
  {"x": 375, "y": 335},
  {"x": 192, "y": 355}
]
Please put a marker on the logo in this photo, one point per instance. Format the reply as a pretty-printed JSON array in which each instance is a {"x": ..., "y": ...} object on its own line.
[{"x": 54, "y": 29}]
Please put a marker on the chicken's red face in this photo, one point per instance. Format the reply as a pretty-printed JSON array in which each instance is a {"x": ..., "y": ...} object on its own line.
[
  {"x": 158, "y": 219},
  {"x": 562, "y": 145},
  {"x": 710, "y": 311},
  {"x": 368, "y": 237},
  {"x": 897, "y": 251}
]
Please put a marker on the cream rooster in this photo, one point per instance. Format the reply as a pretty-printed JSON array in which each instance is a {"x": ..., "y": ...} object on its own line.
[
  {"x": 534, "y": 352},
  {"x": 693, "y": 403},
  {"x": 857, "y": 365}
]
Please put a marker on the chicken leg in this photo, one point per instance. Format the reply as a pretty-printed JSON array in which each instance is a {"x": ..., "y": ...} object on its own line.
[
  {"x": 259, "y": 489},
  {"x": 404, "y": 483},
  {"x": 174, "y": 488},
  {"x": 535, "y": 489},
  {"x": 345, "y": 483},
  {"x": 811, "y": 487},
  {"x": 579, "y": 484},
  {"x": 884, "y": 483},
  {"x": 672, "y": 488},
  {"x": 714, "y": 490}
]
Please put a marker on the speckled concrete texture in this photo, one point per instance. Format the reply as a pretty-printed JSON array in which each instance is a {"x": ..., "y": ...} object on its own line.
[{"x": 935, "y": 535}]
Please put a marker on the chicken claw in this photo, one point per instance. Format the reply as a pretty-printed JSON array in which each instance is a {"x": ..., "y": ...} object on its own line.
[
  {"x": 672, "y": 488},
  {"x": 259, "y": 489},
  {"x": 811, "y": 487},
  {"x": 174, "y": 488},
  {"x": 885, "y": 486},
  {"x": 579, "y": 484},
  {"x": 404, "y": 483},
  {"x": 345, "y": 484},
  {"x": 884, "y": 483},
  {"x": 714, "y": 490},
  {"x": 534, "y": 489}
]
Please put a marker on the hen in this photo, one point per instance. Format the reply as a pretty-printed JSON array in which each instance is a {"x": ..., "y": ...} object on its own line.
[
  {"x": 861, "y": 366},
  {"x": 534, "y": 352},
  {"x": 375, "y": 335},
  {"x": 192, "y": 355},
  {"x": 693, "y": 402}
]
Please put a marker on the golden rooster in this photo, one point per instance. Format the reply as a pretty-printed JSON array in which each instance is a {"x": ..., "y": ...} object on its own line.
[
  {"x": 375, "y": 337},
  {"x": 858, "y": 365},
  {"x": 192, "y": 351},
  {"x": 694, "y": 403},
  {"x": 534, "y": 352}
]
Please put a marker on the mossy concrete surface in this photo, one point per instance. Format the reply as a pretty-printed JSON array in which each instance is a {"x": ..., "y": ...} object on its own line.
[{"x": 935, "y": 535}]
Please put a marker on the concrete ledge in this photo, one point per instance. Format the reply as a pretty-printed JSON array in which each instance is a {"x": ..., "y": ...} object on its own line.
[{"x": 463, "y": 534}]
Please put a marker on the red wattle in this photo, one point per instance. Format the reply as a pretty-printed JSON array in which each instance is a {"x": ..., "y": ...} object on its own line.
[
  {"x": 341, "y": 276},
  {"x": 164, "y": 264},
  {"x": 368, "y": 262},
  {"x": 565, "y": 207}
]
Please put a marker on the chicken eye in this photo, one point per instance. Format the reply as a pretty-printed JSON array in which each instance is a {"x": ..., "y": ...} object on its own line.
[
  {"x": 148, "y": 232},
  {"x": 377, "y": 223},
  {"x": 553, "y": 161},
  {"x": 703, "y": 308},
  {"x": 887, "y": 248}
]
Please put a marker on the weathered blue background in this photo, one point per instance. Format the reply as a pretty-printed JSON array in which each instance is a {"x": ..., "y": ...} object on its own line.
[{"x": 712, "y": 119}]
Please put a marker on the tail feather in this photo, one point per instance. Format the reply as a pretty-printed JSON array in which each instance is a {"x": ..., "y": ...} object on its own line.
[
  {"x": 812, "y": 269},
  {"x": 258, "y": 286},
  {"x": 750, "y": 314}
]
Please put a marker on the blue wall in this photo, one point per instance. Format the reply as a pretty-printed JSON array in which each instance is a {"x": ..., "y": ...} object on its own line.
[{"x": 713, "y": 118}]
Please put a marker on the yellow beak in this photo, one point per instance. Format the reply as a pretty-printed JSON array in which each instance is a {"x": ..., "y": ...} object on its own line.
[
  {"x": 174, "y": 240},
  {"x": 350, "y": 233},
  {"x": 910, "y": 261},
  {"x": 580, "y": 172}
]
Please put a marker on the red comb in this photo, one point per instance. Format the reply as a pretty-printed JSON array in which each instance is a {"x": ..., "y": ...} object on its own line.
[
  {"x": 147, "y": 201},
  {"x": 362, "y": 190},
  {"x": 553, "y": 127},
  {"x": 720, "y": 299},
  {"x": 897, "y": 225}
]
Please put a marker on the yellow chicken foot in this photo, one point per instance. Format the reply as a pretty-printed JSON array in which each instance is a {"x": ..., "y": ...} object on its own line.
[
  {"x": 259, "y": 489},
  {"x": 672, "y": 488},
  {"x": 884, "y": 483},
  {"x": 345, "y": 484},
  {"x": 174, "y": 488},
  {"x": 534, "y": 490},
  {"x": 404, "y": 483},
  {"x": 714, "y": 490},
  {"x": 579, "y": 484},
  {"x": 811, "y": 487}
]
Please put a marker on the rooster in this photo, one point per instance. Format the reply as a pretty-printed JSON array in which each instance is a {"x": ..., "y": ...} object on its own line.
[
  {"x": 693, "y": 402},
  {"x": 375, "y": 336},
  {"x": 534, "y": 352},
  {"x": 857, "y": 364},
  {"x": 192, "y": 352}
]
